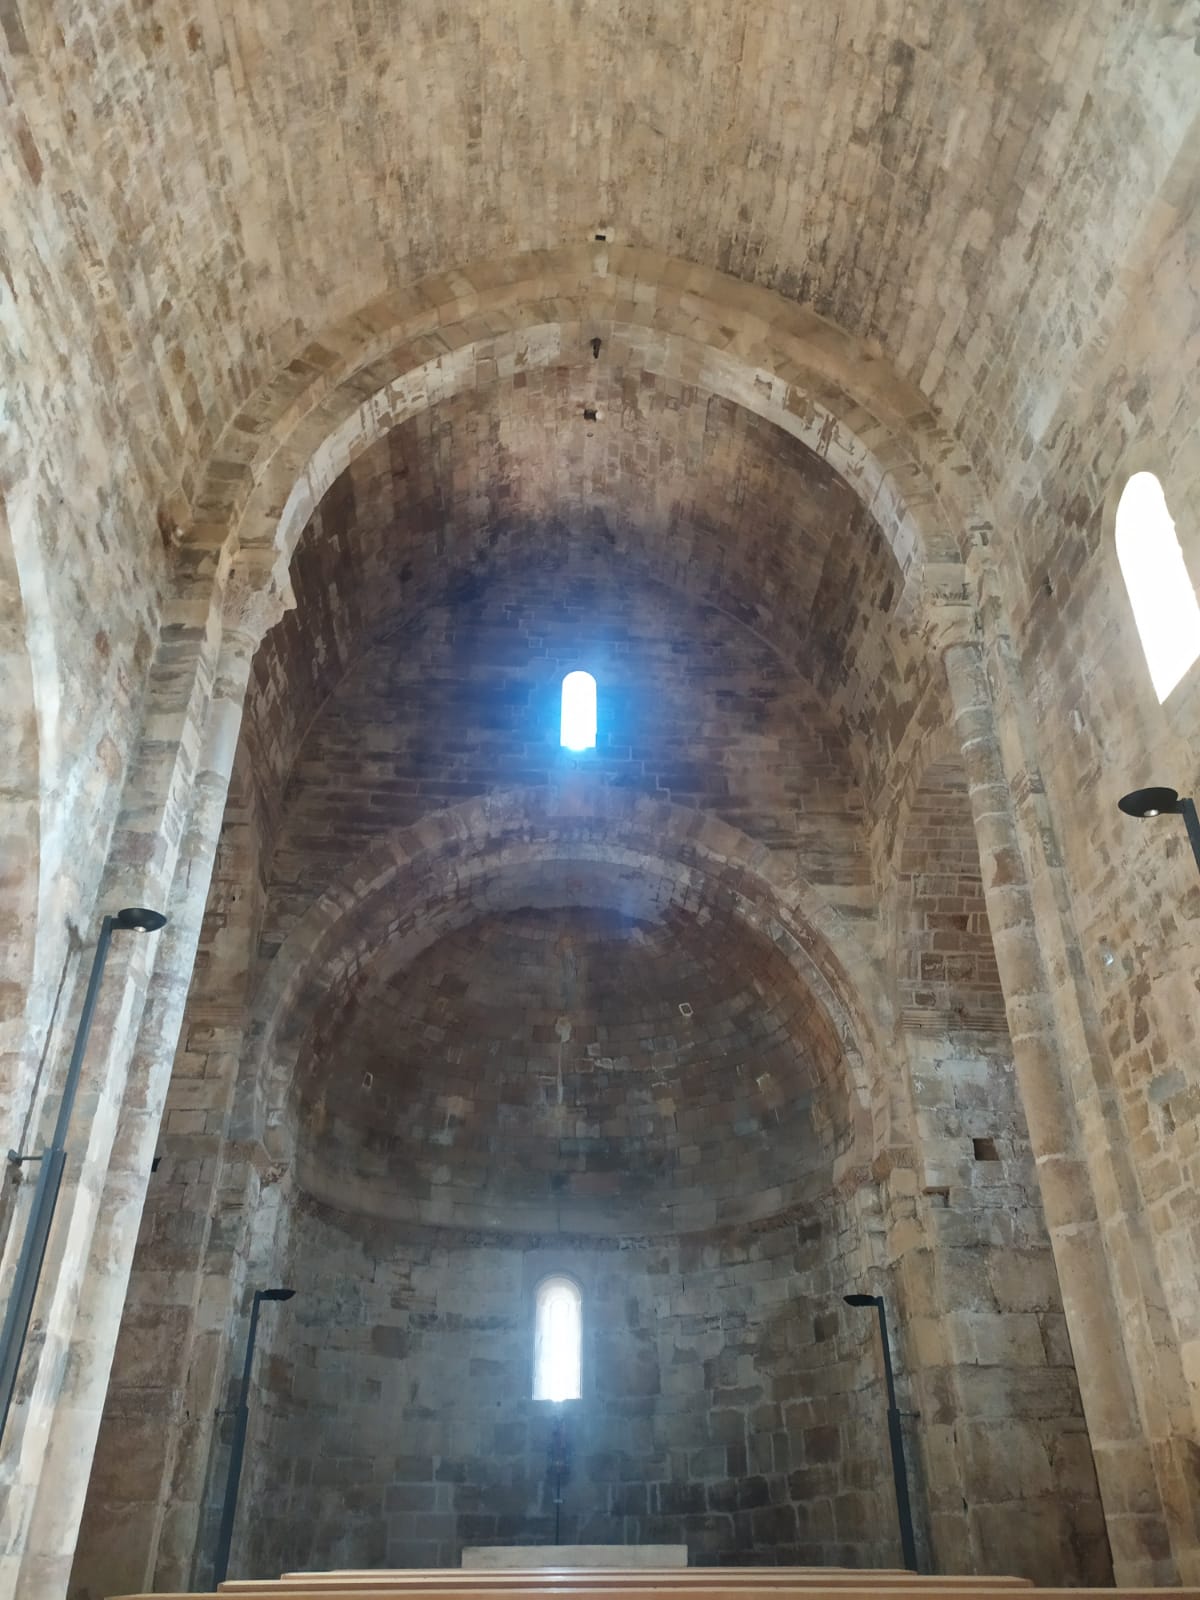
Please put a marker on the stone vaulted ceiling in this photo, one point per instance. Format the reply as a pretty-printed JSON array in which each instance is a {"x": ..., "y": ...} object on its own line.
[
  {"x": 299, "y": 300},
  {"x": 917, "y": 173},
  {"x": 698, "y": 291}
]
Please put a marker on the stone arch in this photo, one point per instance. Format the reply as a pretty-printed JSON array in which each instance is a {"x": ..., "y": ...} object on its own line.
[
  {"x": 405, "y": 890},
  {"x": 748, "y": 343},
  {"x": 663, "y": 353},
  {"x": 20, "y": 834}
]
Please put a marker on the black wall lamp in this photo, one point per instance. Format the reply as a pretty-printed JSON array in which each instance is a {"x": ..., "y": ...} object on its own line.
[
  {"x": 241, "y": 1416},
  {"x": 1146, "y": 803},
  {"x": 895, "y": 1438},
  {"x": 133, "y": 919}
]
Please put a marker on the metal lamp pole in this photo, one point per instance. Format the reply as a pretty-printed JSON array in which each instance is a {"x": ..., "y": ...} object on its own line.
[
  {"x": 896, "y": 1439},
  {"x": 1157, "y": 802},
  {"x": 241, "y": 1417},
  {"x": 134, "y": 919}
]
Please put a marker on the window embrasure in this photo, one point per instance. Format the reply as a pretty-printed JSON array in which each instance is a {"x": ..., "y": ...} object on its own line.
[
  {"x": 557, "y": 1339},
  {"x": 578, "y": 711},
  {"x": 1156, "y": 577}
]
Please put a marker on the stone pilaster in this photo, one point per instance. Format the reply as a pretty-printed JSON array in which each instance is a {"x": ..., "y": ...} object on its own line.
[{"x": 162, "y": 856}]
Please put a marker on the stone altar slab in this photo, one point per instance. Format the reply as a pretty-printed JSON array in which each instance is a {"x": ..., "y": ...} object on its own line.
[{"x": 495, "y": 1557}]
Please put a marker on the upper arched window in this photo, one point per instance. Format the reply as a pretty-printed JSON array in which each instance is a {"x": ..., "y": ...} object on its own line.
[
  {"x": 1156, "y": 576},
  {"x": 578, "y": 711},
  {"x": 557, "y": 1339}
]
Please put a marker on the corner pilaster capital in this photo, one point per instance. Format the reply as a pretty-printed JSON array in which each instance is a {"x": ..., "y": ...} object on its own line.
[
  {"x": 946, "y": 624},
  {"x": 255, "y": 598}
]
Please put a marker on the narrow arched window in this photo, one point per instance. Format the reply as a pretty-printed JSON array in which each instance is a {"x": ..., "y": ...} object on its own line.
[
  {"x": 557, "y": 1339},
  {"x": 578, "y": 711},
  {"x": 1156, "y": 576}
]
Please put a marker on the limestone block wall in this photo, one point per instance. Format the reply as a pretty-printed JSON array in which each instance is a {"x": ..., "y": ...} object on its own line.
[
  {"x": 1117, "y": 901},
  {"x": 737, "y": 513},
  {"x": 693, "y": 708},
  {"x": 729, "y": 1402},
  {"x": 985, "y": 1300},
  {"x": 1002, "y": 226},
  {"x": 946, "y": 975}
]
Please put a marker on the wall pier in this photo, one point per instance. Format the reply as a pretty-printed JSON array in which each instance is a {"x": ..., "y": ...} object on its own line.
[
  {"x": 161, "y": 856},
  {"x": 1150, "y": 1539}
]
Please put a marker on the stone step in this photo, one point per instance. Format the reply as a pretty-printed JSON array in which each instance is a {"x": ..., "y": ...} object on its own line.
[
  {"x": 712, "y": 1584},
  {"x": 412, "y": 1581}
]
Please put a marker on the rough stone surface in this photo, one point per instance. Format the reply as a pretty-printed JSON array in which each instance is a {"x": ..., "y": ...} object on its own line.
[
  {"x": 618, "y": 1074},
  {"x": 727, "y": 1404},
  {"x": 891, "y": 298}
]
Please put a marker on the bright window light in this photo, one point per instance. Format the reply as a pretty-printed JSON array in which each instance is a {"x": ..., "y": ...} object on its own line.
[
  {"x": 578, "y": 711},
  {"x": 557, "y": 1338},
  {"x": 1156, "y": 576}
]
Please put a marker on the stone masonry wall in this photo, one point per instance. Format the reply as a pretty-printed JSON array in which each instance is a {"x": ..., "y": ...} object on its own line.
[
  {"x": 997, "y": 218},
  {"x": 1011, "y": 1480},
  {"x": 728, "y": 1402},
  {"x": 692, "y": 708},
  {"x": 947, "y": 968},
  {"x": 1131, "y": 889},
  {"x": 675, "y": 486}
]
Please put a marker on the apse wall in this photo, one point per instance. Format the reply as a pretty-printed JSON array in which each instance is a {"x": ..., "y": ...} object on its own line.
[
  {"x": 729, "y": 1401},
  {"x": 654, "y": 1105}
]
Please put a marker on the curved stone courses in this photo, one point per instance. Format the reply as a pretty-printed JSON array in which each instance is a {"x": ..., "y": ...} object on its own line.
[
  {"x": 715, "y": 1118},
  {"x": 20, "y": 843},
  {"x": 412, "y": 886},
  {"x": 289, "y": 441},
  {"x": 652, "y": 350},
  {"x": 823, "y": 181},
  {"x": 416, "y": 515}
]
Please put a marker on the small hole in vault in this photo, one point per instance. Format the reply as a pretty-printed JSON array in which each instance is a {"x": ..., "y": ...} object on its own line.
[
  {"x": 596, "y": 343},
  {"x": 589, "y": 413},
  {"x": 985, "y": 1149}
]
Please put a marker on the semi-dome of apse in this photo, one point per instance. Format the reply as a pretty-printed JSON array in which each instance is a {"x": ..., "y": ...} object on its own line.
[{"x": 572, "y": 1069}]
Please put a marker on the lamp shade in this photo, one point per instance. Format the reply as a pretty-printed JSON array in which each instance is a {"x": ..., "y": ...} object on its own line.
[{"x": 1149, "y": 802}]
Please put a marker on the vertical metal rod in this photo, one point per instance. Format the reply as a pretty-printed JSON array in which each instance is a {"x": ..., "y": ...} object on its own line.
[
  {"x": 67, "y": 1104},
  {"x": 558, "y": 1460},
  {"x": 237, "y": 1450},
  {"x": 19, "y": 1312},
  {"x": 896, "y": 1441},
  {"x": 45, "y": 1196}
]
